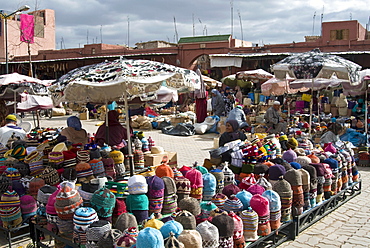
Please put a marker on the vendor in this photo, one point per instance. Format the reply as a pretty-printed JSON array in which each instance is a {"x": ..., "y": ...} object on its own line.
[
  {"x": 231, "y": 133},
  {"x": 273, "y": 120},
  {"x": 218, "y": 104},
  {"x": 9, "y": 129},
  {"x": 332, "y": 135},
  {"x": 74, "y": 132},
  {"x": 116, "y": 131},
  {"x": 237, "y": 114},
  {"x": 359, "y": 109}
]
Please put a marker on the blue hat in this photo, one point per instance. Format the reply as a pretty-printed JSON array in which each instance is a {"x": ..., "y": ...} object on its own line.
[
  {"x": 332, "y": 163},
  {"x": 209, "y": 186},
  {"x": 295, "y": 165},
  {"x": 274, "y": 200},
  {"x": 149, "y": 238},
  {"x": 244, "y": 197},
  {"x": 171, "y": 226}
]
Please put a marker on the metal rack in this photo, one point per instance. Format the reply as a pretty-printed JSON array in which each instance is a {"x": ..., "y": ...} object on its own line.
[{"x": 10, "y": 232}]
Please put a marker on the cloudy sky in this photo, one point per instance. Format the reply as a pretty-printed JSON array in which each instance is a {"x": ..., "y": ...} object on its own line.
[{"x": 263, "y": 21}]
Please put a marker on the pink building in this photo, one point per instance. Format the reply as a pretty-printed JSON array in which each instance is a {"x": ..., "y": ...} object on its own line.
[{"x": 44, "y": 35}]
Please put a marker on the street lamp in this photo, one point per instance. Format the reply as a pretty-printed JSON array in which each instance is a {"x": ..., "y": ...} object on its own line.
[{"x": 5, "y": 17}]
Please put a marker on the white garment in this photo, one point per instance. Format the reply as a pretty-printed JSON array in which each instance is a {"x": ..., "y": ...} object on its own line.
[{"x": 7, "y": 131}]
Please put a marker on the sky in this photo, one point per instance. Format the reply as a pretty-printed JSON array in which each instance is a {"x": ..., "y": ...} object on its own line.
[{"x": 79, "y": 22}]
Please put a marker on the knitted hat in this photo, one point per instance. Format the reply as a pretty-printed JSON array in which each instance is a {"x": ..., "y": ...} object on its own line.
[
  {"x": 169, "y": 186},
  {"x": 119, "y": 208},
  {"x": 56, "y": 159},
  {"x": 219, "y": 200},
  {"x": 295, "y": 180},
  {"x": 233, "y": 204},
  {"x": 10, "y": 211},
  {"x": 283, "y": 188},
  {"x": 95, "y": 154},
  {"x": 186, "y": 219},
  {"x": 154, "y": 223},
  {"x": 292, "y": 143},
  {"x": 191, "y": 239},
  {"x": 293, "y": 177},
  {"x": 261, "y": 206},
  {"x": 128, "y": 239},
  {"x": 12, "y": 173},
  {"x": 51, "y": 213},
  {"x": 9, "y": 199},
  {"x": 196, "y": 183},
  {"x": 70, "y": 159},
  {"x": 260, "y": 169},
  {"x": 170, "y": 197},
  {"x": 276, "y": 171},
  {"x": 209, "y": 234},
  {"x": 250, "y": 224},
  {"x": 209, "y": 189},
  {"x": 35, "y": 185},
  {"x": 256, "y": 189},
  {"x": 313, "y": 183},
  {"x": 224, "y": 224},
  {"x": 34, "y": 160},
  {"x": 109, "y": 238},
  {"x": 314, "y": 159},
  {"x": 303, "y": 160},
  {"x": 300, "y": 152},
  {"x": 171, "y": 226},
  {"x": 67, "y": 201},
  {"x": 164, "y": 171},
  {"x": 207, "y": 206},
  {"x": 137, "y": 202},
  {"x": 83, "y": 217},
  {"x": 333, "y": 163},
  {"x": 190, "y": 204},
  {"x": 108, "y": 164},
  {"x": 306, "y": 188},
  {"x": 229, "y": 176},
  {"x": 97, "y": 166},
  {"x": 95, "y": 232},
  {"x": 289, "y": 156},
  {"x": 19, "y": 188},
  {"x": 220, "y": 177},
  {"x": 137, "y": 185},
  {"x": 83, "y": 156},
  {"x": 330, "y": 148},
  {"x": 295, "y": 165},
  {"x": 19, "y": 152},
  {"x": 275, "y": 208},
  {"x": 103, "y": 201},
  {"x": 238, "y": 230},
  {"x": 44, "y": 193},
  {"x": 28, "y": 205},
  {"x": 69, "y": 174},
  {"x": 262, "y": 181},
  {"x": 125, "y": 221},
  {"x": 117, "y": 156},
  {"x": 182, "y": 186},
  {"x": 23, "y": 168},
  {"x": 83, "y": 170},
  {"x": 244, "y": 197},
  {"x": 155, "y": 187},
  {"x": 5, "y": 182},
  {"x": 247, "y": 182},
  {"x": 230, "y": 190},
  {"x": 149, "y": 238},
  {"x": 50, "y": 176}
]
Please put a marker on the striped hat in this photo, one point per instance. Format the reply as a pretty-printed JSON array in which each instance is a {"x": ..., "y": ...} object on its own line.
[
  {"x": 12, "y": 173},
  {"x": 5, "y": 182},
  {"x": 97, "y": 167},
  {"x": 282, "y": 187},
  {"x": 103, "y": 201},
  {"x": 70, "y": 159},
  {"x": 83, "y": 170},
  {"x": 10, "y": 199},
  {"x": 108, "y": 164},
  {"x": 19, "y": 152},
  {"x": 219, "y": 200},
  {"x": 44, "y": 193},
  {"x": 56, "y": 159},
  {"x": 83, "y": 217},
  {"x": 23, "y": 168},
  {"x": 238, "y": 230},
  {"x": 28, "y": 205},
  {"x": 250, "y": 224},
  {"x": 10, "y": 209},
  {"x": 262, "y": 207},
  {"x": 34, "y": 186},
  {"x": 233, "y": 204},
  {"x": 95, "y": 232},
  {"x": 67, "y": 201},
  {"x": 83, "y": 156},
  {"x": 137, "y": 185},
  {"x": 275, "y": 208},
  {"x": 34, "y": 160}
]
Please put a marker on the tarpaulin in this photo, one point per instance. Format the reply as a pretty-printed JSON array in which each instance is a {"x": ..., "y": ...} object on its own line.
[{"x": 27, "y": 28}]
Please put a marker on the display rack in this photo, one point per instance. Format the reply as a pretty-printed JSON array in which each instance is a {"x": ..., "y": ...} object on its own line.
[{"x": 15, "y": 233}]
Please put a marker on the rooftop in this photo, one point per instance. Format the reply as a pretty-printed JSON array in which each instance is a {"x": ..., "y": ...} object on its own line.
[{"x": 208, "y": 38}]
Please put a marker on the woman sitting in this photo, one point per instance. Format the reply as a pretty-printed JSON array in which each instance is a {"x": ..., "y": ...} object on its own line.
[
  {"x": 74, "y": 132},
  {"x": 232, "y": 133}
]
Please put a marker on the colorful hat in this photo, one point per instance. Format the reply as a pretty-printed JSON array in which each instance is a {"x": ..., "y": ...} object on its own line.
[
  {"x": 314, "y": 159},
  {"x": 220, "y": 177},
  {"x": 289, "y": 156},
  {"x": 128, "y": 239},
  {"x": 103, "y": 201},
  {"x": 275, "y": 208},
  {"x": 283, "y": 188},
  {"x": 50, "y": 176},
  {"x": 10, "y": 211},
  {"x": 306, "y": 188},
  {"x": 196, "y": 183},
  {"x": 250, "y": 224},
  {"x": 209, "y": 234},
  {"x": 256, "y": 189},
  {"x": 56, "y": 159},
  {"x": 44, "y": 193},
  {"x": 149, "y": 238},
  {"x": 117, "y": 156},
  {"x": 34, "y": 186},
  {"x": 97, "y": 167},
  {"x": 238, "y": 230},
  {"x": 12, "y": 173},
  {"x": 313, "y": 183},
  {"x": 108, "y": 164},
  {"x": 34, "y": 160},
  {"x": 261, "y": 206},
  {"x": 125, "y": 221},
  {"x": 182, "y": 186},
  {"x": 170, "y": 197},
  {"x": 28, "y": 205},
  {"x": 247, "y": 181},
  {"x": 19, "y": 188},
  {"x": 23, "y": 168},
  {"x": 230, "y": 190},
  {"x": 137, "y": 185},
  {"x": 154, "y": 223},
  {"x": 233, "y": 204},
  {"x": 19, "y": 152},
  {"x": 67, "y": 201},
  {"x": 83, "y": 170},
  {"x": 70, "y": 159},
  {"x": 207, "y": 207},
  {"x": 83, "y": 217},
  {"x": 219, "y": 200},
  {"x": 191, "y": 239},
  {"x": 164, "y": 171},
  {"x": 83, "y": 156},
  {"x": 209, "y": 189}
]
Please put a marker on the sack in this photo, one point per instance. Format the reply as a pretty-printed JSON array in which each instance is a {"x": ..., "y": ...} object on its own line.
[
  {"x": 164, "y": 124},
  {"x": 180, "y": 129},
  {"x": 306, "y": 97}
]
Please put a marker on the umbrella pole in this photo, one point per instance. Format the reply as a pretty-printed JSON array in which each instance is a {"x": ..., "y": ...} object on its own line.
[
  {"x": 129, "y": 143},
  {"x": 311, "y": 106},
  {"x": 15, "y": 102},
  {"x": 106, "y": 123}
]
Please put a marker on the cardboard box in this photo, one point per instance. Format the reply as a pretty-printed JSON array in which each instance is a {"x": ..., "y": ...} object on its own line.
[
  {"x": 172, "y": 159},
  {"x": 156, "y": 159},
  {"x": 84, "y": 116}
]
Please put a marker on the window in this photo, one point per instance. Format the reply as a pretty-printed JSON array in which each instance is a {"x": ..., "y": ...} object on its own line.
[
  {"x": 341, "y": 34},
  {"x": 92, "y": 50}
]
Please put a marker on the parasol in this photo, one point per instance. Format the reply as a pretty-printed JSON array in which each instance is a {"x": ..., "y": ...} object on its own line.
[
  {"x": 121, "y": 79},
  {"x": 278, "y": 87},
  {"x": 315, "y": 70},
  {"x": 259, "y": 74}
]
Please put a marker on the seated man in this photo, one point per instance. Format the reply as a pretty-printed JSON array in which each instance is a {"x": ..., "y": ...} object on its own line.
[
  {"x": 9, "y": 129},
  {"x": 238, "y": 114},
  {"x": 273, "y": 121}
]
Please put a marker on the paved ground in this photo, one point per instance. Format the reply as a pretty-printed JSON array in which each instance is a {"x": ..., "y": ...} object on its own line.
[{"x": 346, "y": 227}]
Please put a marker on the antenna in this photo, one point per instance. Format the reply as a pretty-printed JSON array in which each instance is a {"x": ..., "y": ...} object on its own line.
[
  {"x": 176, "y": 34},
  {"x": 241, "y": 27},
  {"x": 322, "y": 18},
  {"x": 232, "y": 16},
  {"x": 313, "y": 23},
  {"x": 87, "y": 37},
  {"x": 205, "y": 28},
  {"x": 168, "y": 38},
  {"x": 101, "y": 34},
  {"x": 193, "y": 26},
  {"x": 128, "y": 31},
  {"x": 350, "y": 16},
  {"x": 201, "y": 25}
]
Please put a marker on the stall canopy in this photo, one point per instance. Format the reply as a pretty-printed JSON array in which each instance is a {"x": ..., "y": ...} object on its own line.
[
  {"x": 34, "y": 102},
  {"x": 279, "y": 87}
]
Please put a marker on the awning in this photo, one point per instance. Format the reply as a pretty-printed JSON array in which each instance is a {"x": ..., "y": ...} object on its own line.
[{"x": 226, "y": 61}]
